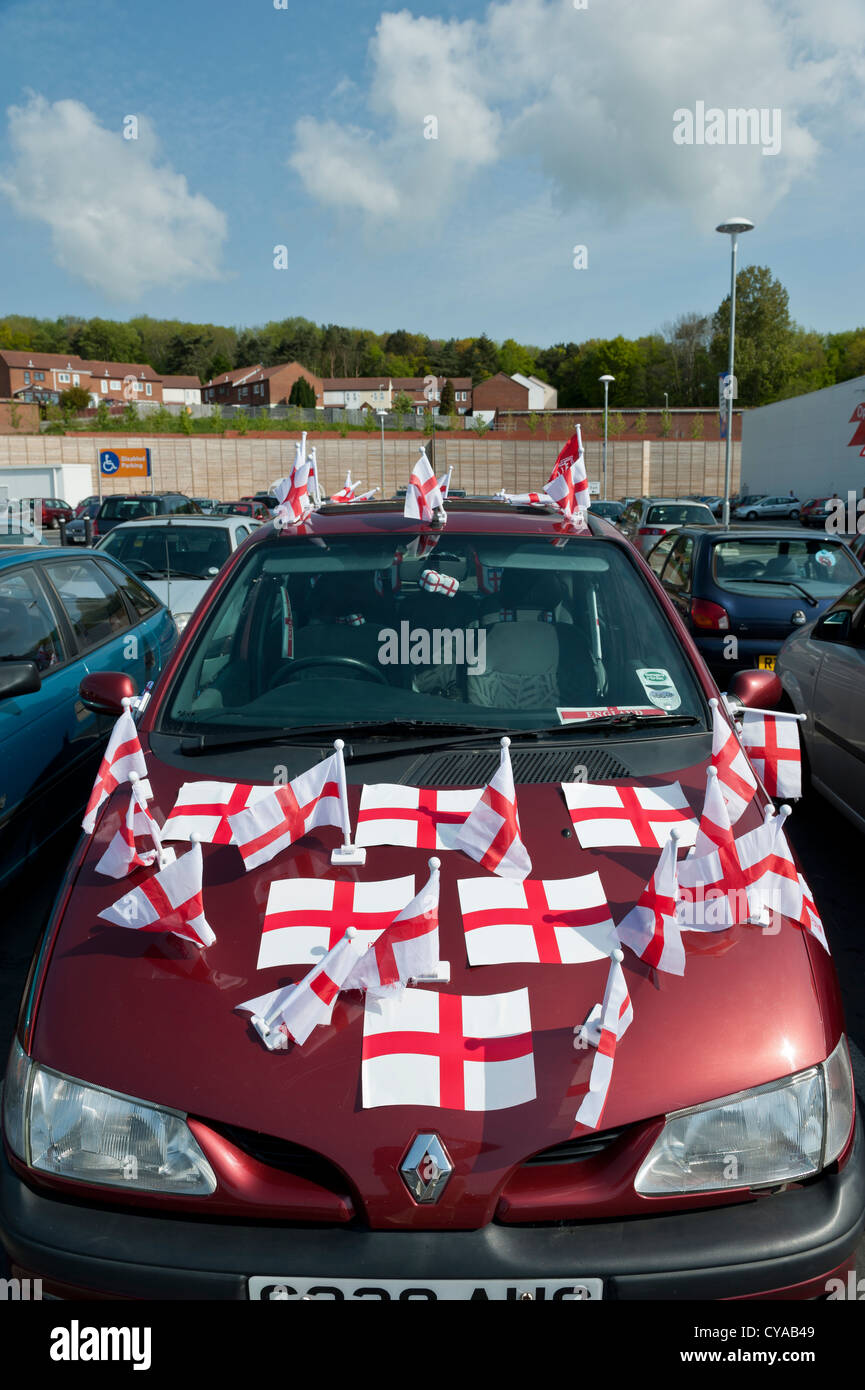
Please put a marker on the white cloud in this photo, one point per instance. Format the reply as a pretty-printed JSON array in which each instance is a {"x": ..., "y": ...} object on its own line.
[
  {"x": 121, "y": 219},
  {"x": 585, "y": 98}
]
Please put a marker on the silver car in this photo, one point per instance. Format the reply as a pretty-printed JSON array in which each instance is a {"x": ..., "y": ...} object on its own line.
[
  {"x": 769, "y": 507},
  {"x": 649, "y": 518},
  {"x": 822, "y": 670}
]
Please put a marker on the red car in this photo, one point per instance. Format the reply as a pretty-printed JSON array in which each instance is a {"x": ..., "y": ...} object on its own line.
[
  {"x": 154, "y": 1148},
  {"x": 55, "y": 510}
]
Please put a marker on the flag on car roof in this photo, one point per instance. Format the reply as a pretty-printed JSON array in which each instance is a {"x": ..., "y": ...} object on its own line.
[
  {"x": 772, "y": 741},
  {"x": 306, "y": 917},
  {"x": 290, "y": 1014},
  {"x": 449, "y": 1051},
  {"x": 651, "y": 928},
  {"x": 292, "y": 493},
  {"x": 423, "y": 495},
  {"x": 491, "y": 834},
  {"x": 170, "y": 901},
  {"x": 288, "y": 812},
  {"x": 604, "y": 814},
  {"x": 735, "y": 774},
  {"x": 549, "y": 921},
  {"x": 123, "y": 755},
  {"x": 407, "y": 949},
  {"x": 616, "y": 1017},
  {"x": 123, "y": 854}
]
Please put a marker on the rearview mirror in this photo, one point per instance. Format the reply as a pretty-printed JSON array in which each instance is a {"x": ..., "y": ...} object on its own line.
[
  {"x": 757, "y": 689},
  {"x": 18, "y": 678},
  {"x": 835, "y": 627},
  {"x": 103, "y": 692}
]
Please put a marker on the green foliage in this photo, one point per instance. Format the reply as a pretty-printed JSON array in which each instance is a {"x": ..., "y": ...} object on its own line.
[
  {"x": 615, "y": 424},
  {"x": 402, "y": 403},
  {"x": 666, "y": 423},
  {"x": 428, "y": 421},
  {"x": 302, "y": 394},
  {"x": 481, "y": 426},
  {"x": 447, "y": 401},
  {"x": 533, "y": 421},
  {"x": 241, "y": 421},
  {"x": 130, "y": 416},
  {"x": 184, "y": 422},
  {"x": 342, "y": 427},
  {"x": 697, "y": 427},
  {"x": 103, "y": 416},
  {"x": 370, "y": 421},
  {"x": 640, "y": 423}
]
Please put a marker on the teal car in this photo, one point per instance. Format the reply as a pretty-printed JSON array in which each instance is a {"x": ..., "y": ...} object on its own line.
[{"x": 63, "y": 617}]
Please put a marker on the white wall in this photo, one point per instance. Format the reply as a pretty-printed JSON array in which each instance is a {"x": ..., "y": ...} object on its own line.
[
  {"x": 804, "y": 443},
  {"x": 69, "y": 481}
]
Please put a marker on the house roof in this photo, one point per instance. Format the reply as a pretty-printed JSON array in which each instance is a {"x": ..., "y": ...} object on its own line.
[
  {"x": 235, "y": 375},
  {"x": 59, "y": 360},
  {"x": 115, "y": 369},
  {"x": 182, "y": 383}
]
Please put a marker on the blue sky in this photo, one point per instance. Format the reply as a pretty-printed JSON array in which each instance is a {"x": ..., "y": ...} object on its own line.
[{"x": 304, "y": 126}]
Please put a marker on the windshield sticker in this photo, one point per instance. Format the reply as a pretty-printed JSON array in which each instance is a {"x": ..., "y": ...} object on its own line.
[
  {"x": 659, "y": 687},
  {"x": 575, "y": 714},
  {"x": 825, "y": 557},
  {"x": 436, "y": 583}
]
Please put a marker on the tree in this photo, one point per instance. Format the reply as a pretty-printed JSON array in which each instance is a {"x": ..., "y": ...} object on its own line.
[
  {"x": 75, "y": 400},
  {"x": 697, "y": 427},
  {"x": 615, "y": 424},
  {"x": 448, "y": 398},
  {"x": 640, "y": 423},
  {"x": 402, "y": 403},
  {"x": 513, "y": 357},
  {"x": 302, "y": 394},
  {"x": 765, "y": 334},
  {"x": 103, "y": 340}
]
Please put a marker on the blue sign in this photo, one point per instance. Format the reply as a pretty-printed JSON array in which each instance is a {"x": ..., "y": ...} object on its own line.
[
  {"x": 108, "y": 462},
  {"x": 124, "y": 463}
]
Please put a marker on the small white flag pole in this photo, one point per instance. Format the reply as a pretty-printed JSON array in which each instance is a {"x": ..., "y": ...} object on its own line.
[
  {"x": 346, "y": 853},
  {"x": 313, "y": 473}
]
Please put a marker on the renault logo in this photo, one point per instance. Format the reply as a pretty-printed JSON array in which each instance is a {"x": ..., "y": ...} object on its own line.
[
  {"x": 798, "y": 618},
  {"x": 426, "y": 1167}
]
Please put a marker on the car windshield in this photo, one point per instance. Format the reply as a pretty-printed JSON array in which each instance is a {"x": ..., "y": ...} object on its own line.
[
  {"x": 483, "y": 630},
  {"x": 194, "y": 551},
  {"x": 677, "y": 514},
  {"x": 129, "y": 508},
  {"x": 775, "y": 565}
]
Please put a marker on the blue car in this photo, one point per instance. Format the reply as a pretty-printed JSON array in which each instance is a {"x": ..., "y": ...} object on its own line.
[
  {"x": 743, "y": 590},
  {"x": 63, "y": 616}
]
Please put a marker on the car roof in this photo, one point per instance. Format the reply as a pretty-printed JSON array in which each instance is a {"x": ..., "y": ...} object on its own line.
[
  {"x": 719, "y": 530},
  {"x": 138, "y": 522}
]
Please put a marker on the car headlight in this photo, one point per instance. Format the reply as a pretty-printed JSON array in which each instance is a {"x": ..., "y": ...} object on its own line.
[
  {"x": 772, "y": 1134},
  {"x": 181, "y": 619},
  {"x": 68, "y": 1129}
]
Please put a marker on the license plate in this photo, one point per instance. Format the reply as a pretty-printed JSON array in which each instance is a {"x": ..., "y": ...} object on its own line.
[
  {"x": 405, "y": 1291},
  {"x": 766, "y": 663}
]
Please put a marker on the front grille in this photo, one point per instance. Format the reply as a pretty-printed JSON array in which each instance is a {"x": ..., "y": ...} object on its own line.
[
  {"x": 287, "y": 1157},
  {"x": 575, "y": 1150},
  {"x": 473, "y": 767}
]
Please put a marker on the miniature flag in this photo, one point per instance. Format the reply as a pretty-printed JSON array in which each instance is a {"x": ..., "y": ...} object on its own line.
[
  {"x": 809, "y": 917},
  {"x": 489, "y": 576},
  {"x": 735, "y": 774},
  {"x": 715, "y": 864},
  {"x": 604, "y": 815},
  {"x": 651, "y": 928},
  {"x": 122, "y": 854},
  {"x": 423, "y": 495},
  {"x": 290, "y": 1014},
  {"x": 571, "y": 463},
  {"x": 347, "y": 491},
  {"x": 769, "y": 868},
  {"x": 306, "y": 917},
  {"x": 122, "y": 756},
  {"x": 287, "y": 813},
  {"x": 203, "y": 808},
  {"x": 550, "y": 921},
  {"x": 617, "y": 1015},
  {"x": 419, "y": 548},
  {"x": 407, "y": 949},
  {"x": 169, "y": 901},
  {"x": 292, "y": 493},
  {"x": 773, "y": 746},
  {"x": 435, "y": 583},
  {"x": 414, "y": 817},
  {"x": 448, "y": 1051},
  {"x": 445, "y": 482},
  {"x": 491, "y": 834}
]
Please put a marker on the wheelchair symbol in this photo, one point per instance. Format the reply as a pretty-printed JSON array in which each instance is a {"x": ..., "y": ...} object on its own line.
[{"x": 109, "y": 462}]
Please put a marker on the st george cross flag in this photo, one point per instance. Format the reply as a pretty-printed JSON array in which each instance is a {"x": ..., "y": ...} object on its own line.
[
  {"x": 169, "y": 901},
  {"x": 628, "y": 815},
  {"x": 407, "y": 949},
  {"x": 551, "y": 921},
  {"x": 617, "y": 1015},
  {"x": 448, "y": 1051},
  {"x": 203, "y": 808},
  {"x": 292, "y": 493},
  {"x": 714, "y": 865},
  {"x": 122, "y": 854},
  {"x": 122, "y": 756},
  {"x": 423, "y": 494},
  {"x": 770, "y": 870},
  {"x": 287, "y": 813},
  {"x": 435, "y": 583},
  {"x": 306, "y": 917},
  {"x": 414, "y": 817},
  {"x": 290, "y": 1014},
  {"x": 773, "y": 746},
  {"x": 491, "y": 834},
  {"x": 651, "y": 928},
  {"x": 347, "y": 491},
  {"x": 735, "y": 774},
  {"x": 810, "y": 917}
]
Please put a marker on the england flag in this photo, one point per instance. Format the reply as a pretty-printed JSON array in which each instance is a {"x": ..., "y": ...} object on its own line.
[
  {"x": 617, "y": 1015},
  {"x": 550, "y": 921},
  {"x": 169, "y": 901},
  {"x": 423, "y": 495},
  {"x": 413, "y": 817},
  {"x": 123, "y": 854},
  {"x": 491, "y": 834},
  {"x": 651, "y": 928},
  {"x": 290, "y": 1014},
  {"x": 407, "y": 949},
  {"x": 203, "y": 809},
  {"x": 287, "y": 813},
  {"x": 448, "y": 1051},
  {"x": 122, "y": 756},
  {"x": 292, "y": 493},
  {"x": 773, "y": 746},
  {"x": 306, "y": 917},
  {"x": 634, "y": 816},
  {"x": 735, "y": 774}
]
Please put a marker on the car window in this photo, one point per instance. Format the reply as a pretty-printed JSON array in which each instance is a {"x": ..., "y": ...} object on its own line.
[
  {"x": 141, "y": 601},
  {"x": 93, "y": 604},
  {"x": 128, "y": 508},
  {"x": 677, "y": 514},
  {"x": 677, "y": 571},
  {"x": 241, "y": 533},
  {"x": 657, "y": 557},
  {"x": 774, "y": 565},
  {"x": 197, "y": 552},
  {"x": 28, "y": 626}
]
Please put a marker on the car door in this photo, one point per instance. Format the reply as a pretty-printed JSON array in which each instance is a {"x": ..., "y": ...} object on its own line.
[
  {"x": 657, "y": 557},
  {"x": 677, "y": 572},
  {"x": 838, "y": 713}
]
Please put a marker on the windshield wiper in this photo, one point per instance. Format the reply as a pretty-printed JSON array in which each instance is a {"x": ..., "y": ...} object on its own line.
[
  {"x": 786, "y": 583},
  {"x": 172, "y": 574},
  {"x": 313, "y": 733}
]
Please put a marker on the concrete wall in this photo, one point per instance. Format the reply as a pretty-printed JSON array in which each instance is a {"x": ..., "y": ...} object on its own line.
[
  {"x": 807, "y": 443},
  {"x": 205, "y": 466}
]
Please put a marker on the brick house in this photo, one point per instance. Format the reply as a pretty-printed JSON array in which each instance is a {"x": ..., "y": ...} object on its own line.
[
  {"x": 379, "y": 392},
  {"x": 44, "y": 376},
  {"x": 501, "y": 392},
  {"x": 260, "y": 385},
  {"x": 218, "y": 391}
]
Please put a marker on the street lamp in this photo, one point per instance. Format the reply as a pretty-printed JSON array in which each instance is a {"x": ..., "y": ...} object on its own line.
[
  {"x": 666, "y": 402},
  {"x": 732, "y": 227},
  {"x": 381, "y": 414},
  {"x": 606, "y": 379}
]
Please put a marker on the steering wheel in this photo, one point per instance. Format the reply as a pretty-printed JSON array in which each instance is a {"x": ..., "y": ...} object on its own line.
[{"x": 304, "y": 663}]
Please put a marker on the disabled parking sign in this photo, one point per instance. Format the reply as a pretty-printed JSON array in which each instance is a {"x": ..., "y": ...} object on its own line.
[{"x": 124, "y": 463}]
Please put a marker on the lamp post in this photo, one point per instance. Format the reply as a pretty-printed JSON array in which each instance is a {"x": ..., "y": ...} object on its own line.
[
  {"x": 732, "y": 228},
  {"x": 606, "y": 379},
  {"x": 666, "y": 402},
  {"x": 381, "y": 414}
]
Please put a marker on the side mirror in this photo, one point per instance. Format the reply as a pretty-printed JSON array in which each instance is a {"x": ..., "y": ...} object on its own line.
[
  {"x": 18, "y": 678},
  {"x": 757, "y": 689},
  {"x": 103, "y": 692},
  {"x": 834, "y": 627}
]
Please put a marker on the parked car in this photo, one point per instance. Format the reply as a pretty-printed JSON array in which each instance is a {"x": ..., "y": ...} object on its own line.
[
  {"x": 87, "y": 502},
  {"x": 55, "y": 510},
  {"x": 76, "y": 531},
  {"x": 822, "y": 670},
  {"x": 264, "y": 499},
  {"x": 62, "y": 617},
  {"x": 178, "y": 557},
  {"x": 611, "y": 511},
  {"x": 816, "y": 511},
  {"x": 645, "y": 520},
  {"x": 155, "y": 1148},
  {"x": 857, "y": 545},
  {"x": 753, "y": 585},
  {"x": 133, "y": 506},
  {"x": 255, "y": 510},
  {"x": 205, "y": 504},
  {"x": 768, "y": 507}
]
